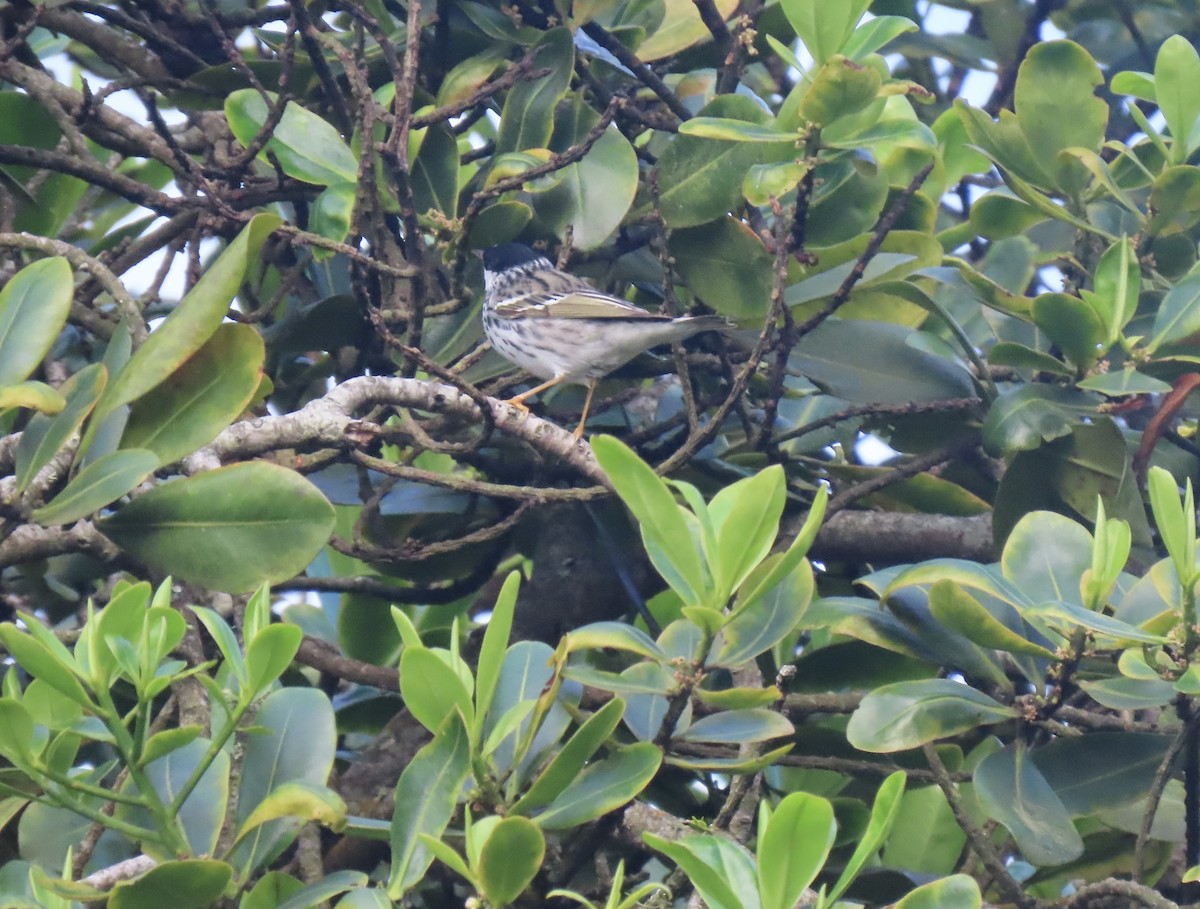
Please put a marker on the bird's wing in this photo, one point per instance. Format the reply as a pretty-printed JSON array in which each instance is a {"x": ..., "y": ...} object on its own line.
[{"x": 582, "y": 304}]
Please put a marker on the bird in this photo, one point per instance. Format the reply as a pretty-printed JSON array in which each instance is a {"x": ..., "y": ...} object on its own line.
[{"x": 562, "y": 329}]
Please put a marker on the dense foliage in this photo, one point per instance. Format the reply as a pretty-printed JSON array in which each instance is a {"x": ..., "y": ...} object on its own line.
[{"x": 254, "y": 457}]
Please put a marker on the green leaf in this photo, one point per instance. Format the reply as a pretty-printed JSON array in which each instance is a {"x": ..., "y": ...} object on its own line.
[
  {"x": 1174, "y": 201},
  {"x": 203, "y": 396},
  {"x": 1023, "y": 419},
  {"x": 435, "y": 172},
  {"x": 57, "y": 669},
  {"x": 758, "y": 627},
  {"x": 510, "y": 859},
  {"x": 1072, "y": 324},
  {"x": 1178, "y": 315},
  {"x": 307, "y": 147},
  {"x": 824, "y": 25},
  {"x": 192, "y": 323},
  {"x": 839, "y": 89},
  {"x": 602, "y": 787},
  {"x": 926, "y": 838},
  {"x": 726, "y": 266},
  {"x": 1130, "y": 694},
  {"x": 1123, "y": 382},
  {"x": 1101, "y": 770},
  {"x": 1057, "y": 108},
  {"x": 746, "y": 515},
  {"x": 203, "y": 812},
  {"x": 426, "y": 796},
  {"x": 700, "y": 179},
  {"x": 16, "y": 732},
  {"x": 722, "y": 871},
  {"x": 431, "y": 689},
  {"x": 594, "y": 194},
  {"x": 45, "y": 435},
  {"x": 908, "y": 714},
  {"x": 775, "y": 569},
  {"x": 186, "y": 884},
  {"x": 732, "y": 130},
  {"x": 469, "y": 74},
  {"x": 1118, "y": 282},
  {"x": 884, "y": 813},
  {"x": 1176, "y": 71},
  {"x": 1013, "y": 791},
  {"x": 305, "y": 801},
  {"x": 223, "y": 636},
  {"x": 31, "y": 395},
  {"x": 325, "y": 889},
  {"x": 203, "y": 528},
  {"x": 491, "y": 651},
  {"x": 794, "y": 848},
  {"x": 872, "y": 362},
  {"x": 756, "y": 724},
  {"x": 527, "y": 117},
  {"x": 569, "y": 760},
  {"x": 100, "y": 483},
  {"x": 270, "y": 653},
  {"x": 294, "y": 741},
  {"x": 764, "y": 182},
  {"x": 958, "y": 891},
  {"x": 33, "y": 309},
  {"x": 615, "y": 635},
  {"x": 873, "y": 34},
  {"x": 961, "y": 612},
  {"x": 664, "y": 529}
]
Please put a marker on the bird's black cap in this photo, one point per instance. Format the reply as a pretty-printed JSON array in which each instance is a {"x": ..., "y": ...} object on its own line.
[{"x": 509, "y": 255}]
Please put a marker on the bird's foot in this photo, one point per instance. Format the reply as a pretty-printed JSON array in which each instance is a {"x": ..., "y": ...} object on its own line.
[{"x": 518, "y": 403}]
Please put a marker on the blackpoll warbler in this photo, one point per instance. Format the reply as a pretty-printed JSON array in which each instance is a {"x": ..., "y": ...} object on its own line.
[{"x": 562, "y": 329}]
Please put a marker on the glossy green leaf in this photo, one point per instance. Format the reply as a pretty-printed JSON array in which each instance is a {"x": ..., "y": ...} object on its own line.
[
  {"x": 1023, "y": 419},
  {"x": 31, "y": 395},
  {"x": 511, "y": 858},
  {"x": 726, "y": 266},
  {"x": 1102, "y": 770},
  {"x": 961, "y": 612},
  {"x": 1176, "y": 70},
  {"x": 908, "y": 714},
  {"x": 527, "y": 117},
  {"x": 958, "y": 891},
  {"x": 764, "y": 182},
  {"x": 1130, "y": 694},
  {"x": 426, "y": 796},
  {"x": 57, "y": 669},
  {"x": 468, "y": 75},
  {"x": 193, "y": 321},
  {"x": 320, "y": 891},
  {"x": 700, "y": 179},
  {"x": 746, "y": 517},
  {"x": 1010, "y": 353},
  {"x": 431, "y": 689},
  {"x": 45, "y": 435},
  {"x": 1057, "y": 108},
  {"x": 873, "y": 34},
  {"x": 663, "y": 526},
  {"x": 570, "y": 760},
  {"x": 33, "y": 309},
  {"x": 270, "y": 653},
  {"x": 306, "y": 146},
  {"x": 297, "y": 800},
  {"x": 793, "y": 848},
  {"x": 1174, "y": 200},
  {"x": 185, "y": 884},
  {"x": 616, "y": 635},
  {"x": 1124, "y": 382},
  {"x": 294, "y": 742},
  {"x": 926, "y": 836},
  {"x": 731, "y": 130},
  {"x": 1178, "y": 315},
  {"x": 101, "y": 483},
  {"x": 594, "y": 194},
  {"x": 202, "y": 528},
  {"x": 603, "y": 786},
  {"x": 884, "y": 813},
  {"x": 756, "y": 628},
  {"x": 734, "y": 726},
  {"x": 1013, "y": 791},
  {"x": 839, "y": 89},
  {"x": 871, "y": 362},
  {"x": 203, "y": 812},
  {"x": 722, "y": 871},
  {"x": 824, "y": 27},
  {"x": 16, "y": 731},
  {"x": 491, "y": 651},
  {"x": 1072, "y": 324},
  {"x": 332, "y": 213}
]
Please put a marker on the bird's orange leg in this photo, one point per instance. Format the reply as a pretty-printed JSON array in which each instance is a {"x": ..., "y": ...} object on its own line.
[
  {"x": 587, "y": 405},
  {"x": 519, "y": 401}
]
